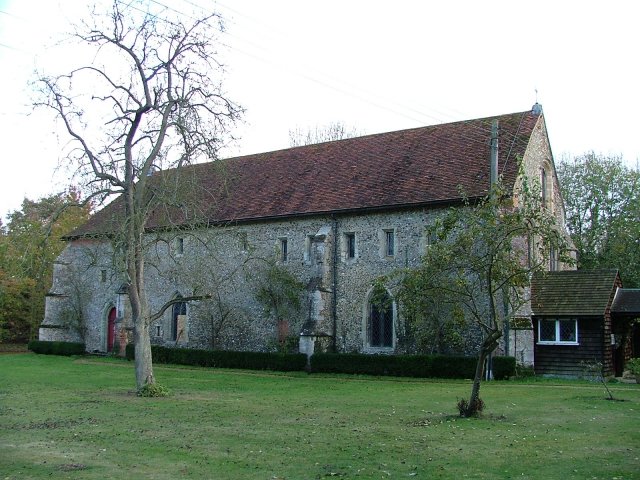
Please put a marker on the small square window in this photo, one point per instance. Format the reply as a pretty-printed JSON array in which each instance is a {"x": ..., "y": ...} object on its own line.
[
  {"x": 432, "y": 237},
  {"x": 567, "y": 330},
  {"x": 309, "y": 256},
  {"x": 390, "y": 243},
  {"x": 244, "y": 242},
  {"x": 543, "y": 187},
  {"x": 284, "y": 250},
  {"x": 350, "y": 245},
  {"x": 547, "y": 330},
  {"x": 553, "y": 259}
]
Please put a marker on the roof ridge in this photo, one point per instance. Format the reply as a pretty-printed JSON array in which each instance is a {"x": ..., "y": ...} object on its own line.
[{"x": 367, "y": 136}]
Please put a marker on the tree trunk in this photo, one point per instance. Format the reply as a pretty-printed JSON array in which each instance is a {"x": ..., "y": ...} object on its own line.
[
  {"x": 143, "y": 362},
  {"x": 139, "y": 305},
  {"x": 489, "y": 345}
]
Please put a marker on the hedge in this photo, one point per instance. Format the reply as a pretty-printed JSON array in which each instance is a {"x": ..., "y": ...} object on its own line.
[
  {"x": 56, "y": 348},
  {"x": 503, "y": 367},
  {"x": 422, "y": 366},
  {"x": 284, "y": 362},
  {"x": 434, "y": 366}
]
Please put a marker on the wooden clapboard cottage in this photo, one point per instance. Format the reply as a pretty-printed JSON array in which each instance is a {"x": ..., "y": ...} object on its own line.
[{"x": 582, "y": 317}]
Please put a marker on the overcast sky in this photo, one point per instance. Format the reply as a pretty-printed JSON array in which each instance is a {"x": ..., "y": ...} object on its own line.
[{"x": 374, "y": 65}]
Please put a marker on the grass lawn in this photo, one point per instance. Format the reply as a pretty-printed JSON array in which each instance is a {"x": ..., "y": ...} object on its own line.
[{"x": 77, "y": 418}]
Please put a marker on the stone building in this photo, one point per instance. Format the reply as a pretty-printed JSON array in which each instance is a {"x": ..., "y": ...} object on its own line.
[{"x": 335, "y": 215}]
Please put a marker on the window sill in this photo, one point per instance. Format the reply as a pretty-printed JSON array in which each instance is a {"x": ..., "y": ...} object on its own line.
[{"x": 564, "y": 344}]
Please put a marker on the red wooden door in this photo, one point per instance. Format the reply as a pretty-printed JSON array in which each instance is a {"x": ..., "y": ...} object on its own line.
[{"x": 111, "y": 329}]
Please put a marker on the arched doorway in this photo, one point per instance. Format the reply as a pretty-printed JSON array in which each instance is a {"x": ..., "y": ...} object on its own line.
[
  {"x": 111, "y": 329},
  {"x": 178, "y": 312}
]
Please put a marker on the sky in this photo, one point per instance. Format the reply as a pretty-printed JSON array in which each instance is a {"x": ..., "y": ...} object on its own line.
[{"x": 373, "y": 65}]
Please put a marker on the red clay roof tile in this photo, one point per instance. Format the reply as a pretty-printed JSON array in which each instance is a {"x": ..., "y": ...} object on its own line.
[{"x": 420, "y": 166}]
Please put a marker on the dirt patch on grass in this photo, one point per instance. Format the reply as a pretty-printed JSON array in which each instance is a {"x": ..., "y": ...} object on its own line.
[
  {"x": 72, "y": 467},
  {"x": 55, "y": 423},
  {"x": 446, "y": 418}
]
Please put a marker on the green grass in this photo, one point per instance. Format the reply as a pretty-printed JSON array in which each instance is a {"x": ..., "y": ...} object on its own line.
[{"x": 79, "y": 418}]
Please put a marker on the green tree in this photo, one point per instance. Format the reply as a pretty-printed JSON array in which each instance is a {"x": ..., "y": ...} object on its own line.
[
  {"x": 280, "y": 292},
  {"x": 149, "y": 97},
  {"x": 478, "y": 268},
  {"x": 602, "y": 199},
  {"x": 16, "y": 323},
  {"x": 29, "y": 244}
]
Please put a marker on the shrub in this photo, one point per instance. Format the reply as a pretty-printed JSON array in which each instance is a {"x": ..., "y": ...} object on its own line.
[
  {"x": 56, "y": 348},
  {"x": 225, "y": 358},
  {"x": 523, "y": 371},
  {"x": 437, "y": 366},
  {"x": 153, "y": 390},
  {"x": 450, "y": 366},
  {"x": 13, "y": 347},
  {"x": 633, "y": 366},
  {"x": 503, "y": 367}
]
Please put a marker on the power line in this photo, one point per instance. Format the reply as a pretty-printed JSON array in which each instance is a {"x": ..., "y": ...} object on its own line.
[
  {"x": 340, "y": 85},
  {"x": 316, "y": 76},
  {"x": 306, "y": 71},
  {"x": 333, "y": 83}
]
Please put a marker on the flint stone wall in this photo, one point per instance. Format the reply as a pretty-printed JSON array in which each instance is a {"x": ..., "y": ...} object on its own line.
[{"x": 227, "y": 261}]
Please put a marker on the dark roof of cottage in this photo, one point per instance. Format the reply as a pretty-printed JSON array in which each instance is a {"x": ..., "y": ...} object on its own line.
[
  {"x": 627, "y": 302},
  {"x": 421, "y": 166},
  {"x": 573, "y": 292}
]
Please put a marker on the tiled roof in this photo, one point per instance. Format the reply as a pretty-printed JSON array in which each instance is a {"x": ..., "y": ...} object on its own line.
[
  {"x": 573, "y": 292},
  {"x": 627, "y": 302},
  {"x": 420, "y": 166}
]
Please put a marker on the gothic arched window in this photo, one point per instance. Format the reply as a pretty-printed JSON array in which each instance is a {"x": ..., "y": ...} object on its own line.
[{"x": 380, "y": 322}]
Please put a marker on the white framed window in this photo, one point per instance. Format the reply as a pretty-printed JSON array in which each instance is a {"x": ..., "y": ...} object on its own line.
[{"x": 558, "y": 331}]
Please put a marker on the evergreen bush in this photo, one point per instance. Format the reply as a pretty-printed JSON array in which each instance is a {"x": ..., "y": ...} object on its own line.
[
  {"x": 225, "y": 358},
  {"x": 421, "y": 366},
  {"x": 424, "y": 366},
  {"x": 503, "y": 367},
  {"x": 56, "y": 348}
]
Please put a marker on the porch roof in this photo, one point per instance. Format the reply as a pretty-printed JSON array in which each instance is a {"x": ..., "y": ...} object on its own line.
[
  {"x": 626, "y": 303},
  {"x": 573, "y": 293}
]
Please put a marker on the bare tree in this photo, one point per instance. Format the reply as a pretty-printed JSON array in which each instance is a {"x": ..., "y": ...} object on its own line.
[
  {"x": 149, "y": 99},
  {"x": 328, "y": 133}
]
